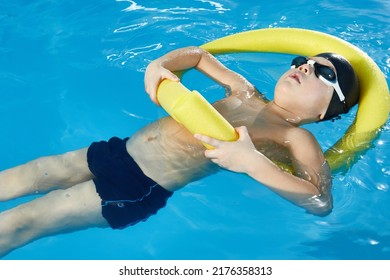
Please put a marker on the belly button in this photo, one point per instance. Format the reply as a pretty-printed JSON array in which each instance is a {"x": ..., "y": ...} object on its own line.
[{"x": 151, "y": 138}]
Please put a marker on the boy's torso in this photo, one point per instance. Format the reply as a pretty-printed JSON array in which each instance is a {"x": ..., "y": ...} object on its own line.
[{"x": 171, "y": 156}]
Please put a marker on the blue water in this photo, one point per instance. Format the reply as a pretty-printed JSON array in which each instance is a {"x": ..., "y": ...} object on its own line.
[{"x": 71, "y": 73}]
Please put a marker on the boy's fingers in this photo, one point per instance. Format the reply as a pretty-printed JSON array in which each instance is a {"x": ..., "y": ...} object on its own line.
[
  {"x": 170, "y": 76},
  {"x": 211, "y": 154},
  {"x": 242, "y": 132},
  {"x": 208, "y": 140}
]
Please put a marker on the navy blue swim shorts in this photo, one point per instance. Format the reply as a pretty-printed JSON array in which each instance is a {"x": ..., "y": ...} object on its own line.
[{"x": 128, "y": 195}]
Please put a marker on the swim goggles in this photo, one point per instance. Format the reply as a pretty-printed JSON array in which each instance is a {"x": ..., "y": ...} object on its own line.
[{"x": 323, "y": 72}]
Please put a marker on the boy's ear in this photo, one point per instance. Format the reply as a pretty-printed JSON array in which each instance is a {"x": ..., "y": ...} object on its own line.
[{"x": 322, "y": 116}]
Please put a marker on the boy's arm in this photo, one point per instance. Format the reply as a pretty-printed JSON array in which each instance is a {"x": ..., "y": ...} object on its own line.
[
  {"x": 310, "y": 190},
  {"x": 194, "y": 57},
  {"x": 309, "y": 163}
]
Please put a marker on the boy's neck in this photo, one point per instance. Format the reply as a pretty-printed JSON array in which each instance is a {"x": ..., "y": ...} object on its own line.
[{"x": 284, "y": 114}]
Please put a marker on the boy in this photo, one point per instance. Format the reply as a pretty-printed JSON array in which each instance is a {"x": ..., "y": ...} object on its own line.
[{"x": 123, "y": 181}]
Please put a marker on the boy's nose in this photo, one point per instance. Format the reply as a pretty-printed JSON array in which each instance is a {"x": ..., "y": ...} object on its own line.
[{"x": 305, "y": 68}]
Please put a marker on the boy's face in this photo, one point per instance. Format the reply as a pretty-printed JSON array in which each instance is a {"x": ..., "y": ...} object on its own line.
[{"x": 301, "y": 92}]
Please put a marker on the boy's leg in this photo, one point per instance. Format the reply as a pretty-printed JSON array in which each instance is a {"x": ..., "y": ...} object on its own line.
[
  {"x": 45, "y": 173},
  {"x": 59, "y": 211}
]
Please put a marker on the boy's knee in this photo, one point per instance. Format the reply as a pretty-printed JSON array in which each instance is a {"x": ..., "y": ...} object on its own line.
[
  {"x": 12, "y": 221},
  {"x": 18, "y": 223},
  {"x": 15, "y": 230}
]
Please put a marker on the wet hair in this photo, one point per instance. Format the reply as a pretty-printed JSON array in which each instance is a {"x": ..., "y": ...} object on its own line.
[{"x": 349, "y": 85}]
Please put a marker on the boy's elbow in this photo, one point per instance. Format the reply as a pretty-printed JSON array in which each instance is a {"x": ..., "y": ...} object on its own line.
[
  {"x": 319, "y": 205},
  {"x": 321, "y": 211}
]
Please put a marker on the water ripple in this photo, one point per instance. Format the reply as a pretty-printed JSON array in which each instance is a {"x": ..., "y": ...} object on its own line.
[
  {"x": 131, "y": 27},
  {"x": 125, "y": 56},
  {"x": 176, "y": 10}
]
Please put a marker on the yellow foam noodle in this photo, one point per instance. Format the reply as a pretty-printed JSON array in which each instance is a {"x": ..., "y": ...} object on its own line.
[{"x": 194, "y": 112}]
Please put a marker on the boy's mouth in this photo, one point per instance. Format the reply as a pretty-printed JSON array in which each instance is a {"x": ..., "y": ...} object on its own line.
[{"x": 296, "y": 77}]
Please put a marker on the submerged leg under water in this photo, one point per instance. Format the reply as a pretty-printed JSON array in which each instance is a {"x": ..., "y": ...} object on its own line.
[{"x": 60, "y": 211}]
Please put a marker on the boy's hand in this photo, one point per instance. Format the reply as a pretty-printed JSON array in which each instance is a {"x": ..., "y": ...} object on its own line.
[
  {"x": 154, "y": 74},
  {"x": 234, "y": 156}
]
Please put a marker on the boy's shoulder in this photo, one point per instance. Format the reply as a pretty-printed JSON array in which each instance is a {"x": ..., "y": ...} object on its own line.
[
  {"x": 301, "y": 137},
  {"x": 303, "y": 145},
  {"x": 300, "y": 133}
]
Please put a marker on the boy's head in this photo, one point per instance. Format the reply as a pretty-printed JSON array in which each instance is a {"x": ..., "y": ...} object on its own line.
[
  {"x": 318, "y": 88},
  {"x": 349, "y": 86}
]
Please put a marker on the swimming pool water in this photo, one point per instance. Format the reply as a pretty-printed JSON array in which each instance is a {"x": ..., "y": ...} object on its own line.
[{"x": 71, "y": 73}]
